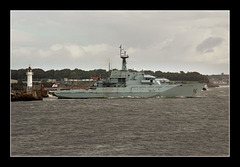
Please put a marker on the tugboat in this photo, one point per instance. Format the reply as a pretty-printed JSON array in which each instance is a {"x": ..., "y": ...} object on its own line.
[{"x": 124, "y": 83}]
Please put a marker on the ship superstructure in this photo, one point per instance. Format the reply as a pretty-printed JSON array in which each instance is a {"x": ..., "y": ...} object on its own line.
[{"x": 124, "y": 83}]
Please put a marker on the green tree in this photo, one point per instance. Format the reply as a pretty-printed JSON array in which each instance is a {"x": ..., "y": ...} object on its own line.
[{"x": 38, "y": 74}]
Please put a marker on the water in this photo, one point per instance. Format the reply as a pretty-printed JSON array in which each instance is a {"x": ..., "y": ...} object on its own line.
[{"x": 123, "y": 127}]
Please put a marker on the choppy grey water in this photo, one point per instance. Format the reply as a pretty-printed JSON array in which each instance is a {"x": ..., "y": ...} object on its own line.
[{"x": 123, "y": 127}]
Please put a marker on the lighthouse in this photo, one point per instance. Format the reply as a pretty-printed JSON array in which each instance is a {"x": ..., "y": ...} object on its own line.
[{"x": 29, "y": 74}]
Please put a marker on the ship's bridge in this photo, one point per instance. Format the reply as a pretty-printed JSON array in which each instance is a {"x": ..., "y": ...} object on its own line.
[
  {"x": 148, "y": 79},
  {"x": 118, "y": 77}
]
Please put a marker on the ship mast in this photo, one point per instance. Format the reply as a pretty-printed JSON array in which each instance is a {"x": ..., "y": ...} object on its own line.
[{"x": 124, "y": 56}]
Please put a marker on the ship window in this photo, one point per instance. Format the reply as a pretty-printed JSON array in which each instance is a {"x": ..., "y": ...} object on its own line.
[{"x": 121, "y": 80}]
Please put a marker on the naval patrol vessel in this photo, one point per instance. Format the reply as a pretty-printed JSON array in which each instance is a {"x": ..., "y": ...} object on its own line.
[{"x": 124, "y": 83}]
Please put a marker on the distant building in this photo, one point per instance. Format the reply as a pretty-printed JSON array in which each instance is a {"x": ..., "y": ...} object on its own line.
[
  {"x": 51, "y": 80},
  {"x": 13, "y": 81},
  {"x": 222, "y": 79},
  {"x": 54, "y": 85},
  {"x": 95, "y": 78}
]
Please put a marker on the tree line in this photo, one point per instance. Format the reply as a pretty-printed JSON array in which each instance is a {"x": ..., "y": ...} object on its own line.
[{"x": 40, "y": 74}]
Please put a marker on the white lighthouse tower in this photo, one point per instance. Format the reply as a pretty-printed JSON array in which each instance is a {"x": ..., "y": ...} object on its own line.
[{"x": 29, "y": 74}]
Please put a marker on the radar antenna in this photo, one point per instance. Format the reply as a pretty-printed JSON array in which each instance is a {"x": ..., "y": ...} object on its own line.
[{"x": 124, "y": 56}]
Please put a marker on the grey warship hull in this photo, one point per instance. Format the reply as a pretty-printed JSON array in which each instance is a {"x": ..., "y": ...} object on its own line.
[
  {"x": 180, "y": 90},
  {"x": 124, "y": 83}
]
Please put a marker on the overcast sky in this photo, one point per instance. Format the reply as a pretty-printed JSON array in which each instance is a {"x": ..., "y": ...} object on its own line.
[{"x": 154, "y": 40}]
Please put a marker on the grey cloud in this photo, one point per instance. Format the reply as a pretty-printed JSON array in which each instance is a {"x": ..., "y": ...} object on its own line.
[
  {"x": 208, "y": 44},
  {"x": 164, "y": 40}
]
